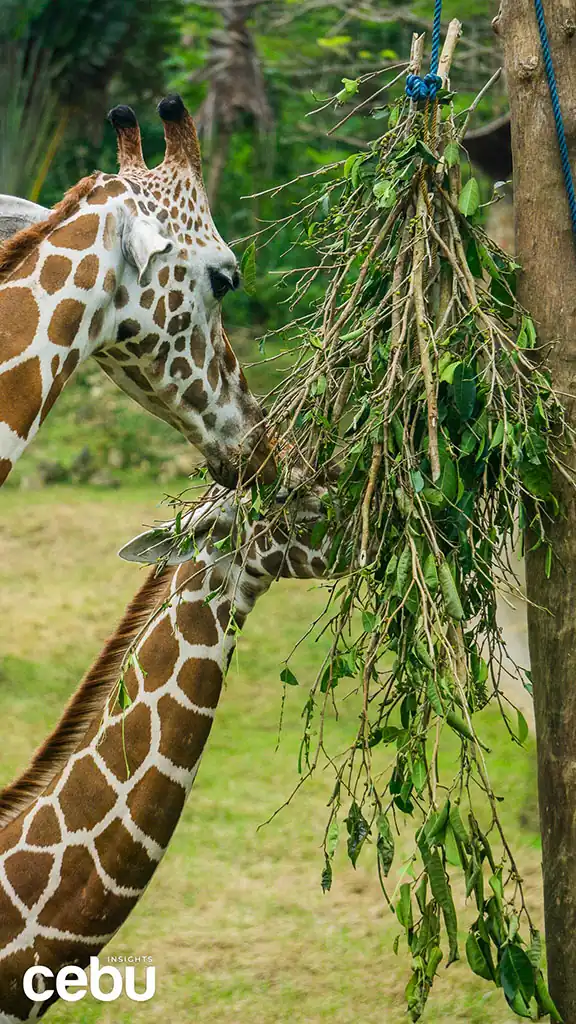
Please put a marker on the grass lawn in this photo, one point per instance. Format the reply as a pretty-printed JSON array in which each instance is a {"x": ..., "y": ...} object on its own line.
[{"x": 234, "y": 918}]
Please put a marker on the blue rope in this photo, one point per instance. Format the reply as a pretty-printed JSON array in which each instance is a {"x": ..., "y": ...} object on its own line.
[
  {"x": 435, "y": 52},
  {"x": 422, "y": 89},
  {"x": 555, "y": 99}
]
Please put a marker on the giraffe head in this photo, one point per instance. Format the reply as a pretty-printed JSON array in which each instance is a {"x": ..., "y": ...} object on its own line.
[
  {"x": 263, "y": 549},
  {"x": 169, "y": 349},
  {"x": 134, "y": 273}
]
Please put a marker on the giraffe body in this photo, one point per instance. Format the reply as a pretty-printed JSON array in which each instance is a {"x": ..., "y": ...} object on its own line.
[
  {"x": 76, "y": 858},
  {"x": 128, "y": 268}
]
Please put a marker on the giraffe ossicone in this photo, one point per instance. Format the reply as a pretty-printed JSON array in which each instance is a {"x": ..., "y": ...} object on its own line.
[
  {"x": 128, "y": 268},
  {"x": 84, "y": 828}
]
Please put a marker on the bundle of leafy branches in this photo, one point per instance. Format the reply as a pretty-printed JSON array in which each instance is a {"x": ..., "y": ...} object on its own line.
[{"x": 419, "y": 381}]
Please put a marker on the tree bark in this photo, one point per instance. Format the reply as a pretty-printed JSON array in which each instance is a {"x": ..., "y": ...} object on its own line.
[{"x": 546, "y": 249}]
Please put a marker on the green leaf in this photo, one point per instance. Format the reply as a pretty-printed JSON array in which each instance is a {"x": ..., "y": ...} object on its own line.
[
  {"x": 448, "y": 482},
  {"x": 456, "y": 722},
  {"x": 351, "y": 85},
  {"x": 351, "y": 162},
  {"x": 385, "y": 193},
  {"x": 404, "y": 907},
  {"x": 431, "y": 573},
  {"x": 248, "y": 268},
  {"x": 544, "y": 999},
  {"x": 419, "y": 775},
  {"x": 449, "y": 592},
  {"x": 522, "y": 727},
  {"x": 458, "y": 825},
  {"x": 124, "y": 698},
  {"x": 452, "y": 154},
  {"x": 516, "y": 973},
  {"x": 332, "y": 837},
  {"x": 536, "y": 479},
  {"x": 326, "y": 879},
  {"x": 464, "y": 391},
  {"x": 447, "y": 372},
  {"x": 476, "y": 959},
  {"x": 287, "y": 676},
  {"x": 385, "y": 844},
  {"x": 358, "y": 831},
  {"x": 403, "y": 573},
  {"x": 469, "y": 199},
  {"x": 442, "y": 894}
]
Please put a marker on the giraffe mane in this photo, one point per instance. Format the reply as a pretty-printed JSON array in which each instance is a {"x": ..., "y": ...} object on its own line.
[
  {"x": 88, "y": 699},
  {"x": 15, "y": 249}
]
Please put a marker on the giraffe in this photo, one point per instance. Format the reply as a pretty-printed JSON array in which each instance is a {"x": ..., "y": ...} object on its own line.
[
  {"x": 128, "y": 268},
  {"x": 84, "y": 828}
]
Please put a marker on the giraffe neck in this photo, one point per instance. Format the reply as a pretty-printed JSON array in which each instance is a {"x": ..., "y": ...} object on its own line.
[
  {"x": 77, "y": 860},
  {"x": 55, "y": 307}
]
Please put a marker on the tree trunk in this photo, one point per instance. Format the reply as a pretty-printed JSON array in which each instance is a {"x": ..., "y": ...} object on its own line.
[{"x": 545, "y": 247}]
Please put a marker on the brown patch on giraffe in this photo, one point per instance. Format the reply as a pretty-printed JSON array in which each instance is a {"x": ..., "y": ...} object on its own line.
[
  {"x": 273, "y": 563},
  {"x": 78, "y": 234},
  {"x": 19, "y": 317},
  {"x": 299, "y": 561},
  {"x": 124, "y": 859},
  {"x": 121, "y": 297},
  {"x": 180, "y": 344},
  {"x": 160, "y": 312},
  {"x": 158, "y": 655},
  {"x": 180, "y": 367},
  {"x": 179, "y": 323},
  {"x": 81, "y": 904},
  {"x": 131, "y": 205},
  {"x": 196, "y": 396},
  {"x": 198, "y": 346},
  {"x": 183, "y": 743},
  {"x": 24, "y": 242},
  {"x": 28, "y": 873},
  {"x": 196, "y": 623},
  {"x": 45, "y": 828},
  {"x": 156, "y": 804},
  {"x": 213, "y": 373},
  {"x": 135, "y": 187},
  {"x": 21, "y": 395},
  {"x": 54, "y": 364},
  {"x": 138, "y": 378},
  {"x": 96, "y": 324},
  {"x": 11, "y": 920},
  {"x": 5, "y": 467},
  {"x": 148, "y": 344},
  {"x": 120, "y": 355},
  {"x": 210, "y": 421},
  {"x": 201, "y": 680},
  {"x": 65, "y": 321},
  {"x": 26, "y": 267},
  {"x": 54, "y": 273},
  {"x": 109, "y": 236},
  {"x": 175, "y": 299},
  {"x": 101, "y": 194},
  {"x": 87, "y": 272},
  {"x": 127, "y": 329},
  {"x": 58, "y": 383},
  {"x": 84, "y": 778},
  {"x": 162, "y": 215},
  {"x": 223, "y": 614},
  {"x": 179, "y": 273},
  {"x": 230, "y": 361},
  {"x": 109, "y": 281},
  {"x": 159, "y": 364},
  {"x": 190, "y": 576},
  {"x": 127, "y": 741},
  {"x": 163, "y": 276},
  {"x": 147, "y": 298},
  {"x": 10, "y": 836}
]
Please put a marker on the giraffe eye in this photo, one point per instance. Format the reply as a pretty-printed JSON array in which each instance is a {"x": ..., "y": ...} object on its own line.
[{"x": 222, "y": 283}]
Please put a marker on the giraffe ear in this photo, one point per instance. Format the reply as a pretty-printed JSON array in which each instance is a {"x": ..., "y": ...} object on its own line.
[
  {"x": 153, "y": 546},
  {"x": 17, "y": 214},
  {"x": 141, "y": 242}
]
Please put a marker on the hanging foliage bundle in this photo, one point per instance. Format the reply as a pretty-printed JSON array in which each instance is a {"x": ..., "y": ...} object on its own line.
[{"x": 418, "y": 381}]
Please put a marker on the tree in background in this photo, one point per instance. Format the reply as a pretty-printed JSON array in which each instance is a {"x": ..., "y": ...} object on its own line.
[{"x": 61, "y": 62}]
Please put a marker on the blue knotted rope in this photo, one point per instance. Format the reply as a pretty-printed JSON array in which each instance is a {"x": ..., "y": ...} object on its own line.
[
  {"x": 555, "y": 99},
  {"x": 417, "y": 88}
]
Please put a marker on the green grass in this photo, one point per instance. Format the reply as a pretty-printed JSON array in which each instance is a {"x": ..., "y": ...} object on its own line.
[{"x": 234, "y": 918}]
